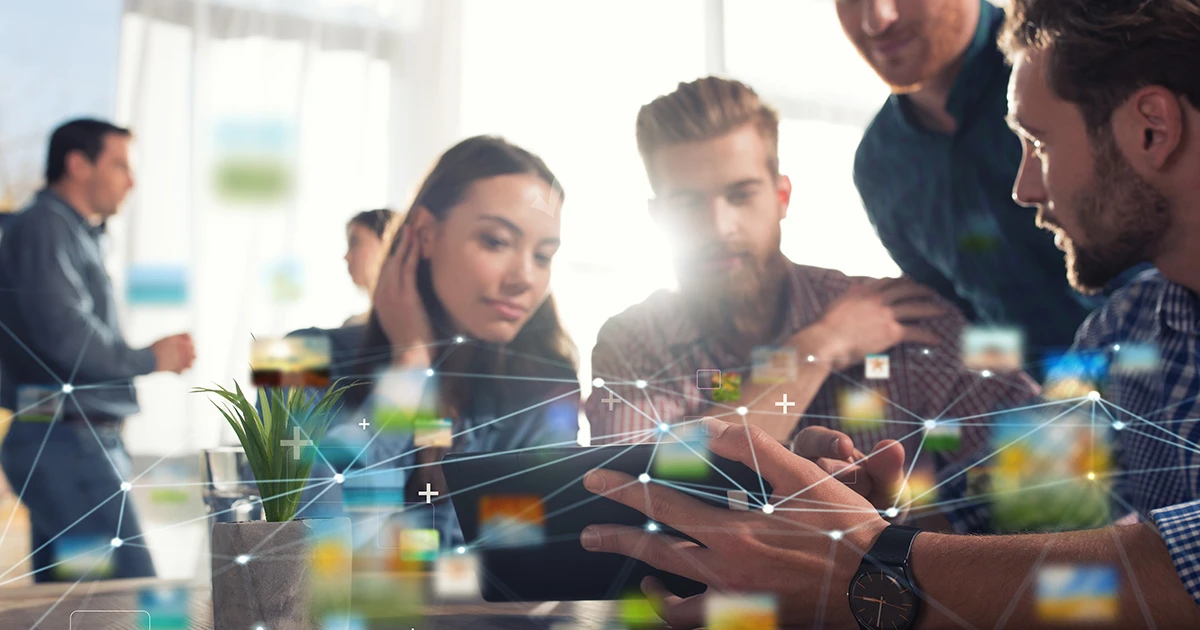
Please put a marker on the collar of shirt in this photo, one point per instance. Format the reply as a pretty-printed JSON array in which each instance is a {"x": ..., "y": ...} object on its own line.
[
  {"x": 980, "y": 64},
  {"x": 798, "y": 298},
  {"x": 1177, "y": 309},
  {"x": 49, "y": 197}
]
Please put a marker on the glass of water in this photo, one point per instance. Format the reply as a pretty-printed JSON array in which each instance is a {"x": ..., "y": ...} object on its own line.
[{"x": 229, "y": 491}]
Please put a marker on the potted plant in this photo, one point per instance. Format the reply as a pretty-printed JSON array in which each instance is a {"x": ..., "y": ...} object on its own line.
[{"x": 281, "y": 572}]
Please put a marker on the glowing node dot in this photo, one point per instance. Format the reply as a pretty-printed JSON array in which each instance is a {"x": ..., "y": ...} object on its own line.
[
  {"x": 460, "y": 549},
  {"x": 651, "y": 527},
  {"x": 986, "y": 374},
  {"x": 1116, "y": 347},
  {"x": 836, "y": 534},
  {"x": 338, "y": 477},
  {"x": 116, "y": 542},
  {"x": 812, "y": 359},
  {"x": 597, "y": 383},
  {"x": 1093, "y": 395},
  {"x": 1091, "y": 476},
  {"x": 260, "y": 627},
  {"x": 925, "y": 351},
  {"x": 459, "y": 339},
  {"x": 1118, "y": 425},
  {"x": 68, "y": 388},
  {"x": 644, "y": 478},
  {"x": 243, "y": 559},
  {"x": 741, "y": 411},
  {"x": 664, "y": 427},
  {"x": 930, "y": 424},
  {"x": 892, "y": 512},
  {"x": 768, "y": 509},
  {"x": 640, "y": 384},
  {"x": 126, "y": 486},
  {"x": 429, "y": 372}
]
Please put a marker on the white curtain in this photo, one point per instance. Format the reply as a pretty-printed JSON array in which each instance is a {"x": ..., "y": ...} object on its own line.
[{"x": 321, "y": 95}]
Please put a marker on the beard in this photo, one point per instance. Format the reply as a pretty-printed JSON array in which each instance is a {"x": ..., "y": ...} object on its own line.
[
  {"x": 738, "y": 307},
  {"x": 939, "y": 37},
  {"x": 1123, "y": 218}
]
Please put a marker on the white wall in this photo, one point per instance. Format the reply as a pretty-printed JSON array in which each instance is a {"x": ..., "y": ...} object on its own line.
[{"x": 58, "y": 60}]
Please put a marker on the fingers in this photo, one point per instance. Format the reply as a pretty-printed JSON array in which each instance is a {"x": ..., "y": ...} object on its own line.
[
  {"x": 903, "y": 289},
  {"x": 659, "y": 503},
  {"x": 918, "y": 335},
  {"x": 411, "y": 253},
  {"x": 817, "y": 442},
  {"x": 885, "y": 466},
  {"x": 746, "y": 444},
  {"x": 667, "y": 553},
  {"x": 680, "y": 613},
  {"x": 920, "y": 309}
]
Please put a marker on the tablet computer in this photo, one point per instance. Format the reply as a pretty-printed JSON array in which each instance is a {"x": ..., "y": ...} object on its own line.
[{"x": 522, "y": 513}]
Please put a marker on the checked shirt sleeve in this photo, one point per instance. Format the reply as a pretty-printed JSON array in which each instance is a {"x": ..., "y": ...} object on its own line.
[{"x": 1179, "y": 526}]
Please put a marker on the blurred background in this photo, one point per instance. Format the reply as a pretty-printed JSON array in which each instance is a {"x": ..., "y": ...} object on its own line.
[{"x": 262, "y": 125}]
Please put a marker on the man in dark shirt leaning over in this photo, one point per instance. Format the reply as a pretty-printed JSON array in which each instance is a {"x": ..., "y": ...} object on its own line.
[
  {"x": 67, "y": 371},
  {"x": 935, "y": 169}
]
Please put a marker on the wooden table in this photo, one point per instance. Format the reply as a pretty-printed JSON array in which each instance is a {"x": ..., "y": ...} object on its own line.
[{"x": 50, "y": 606}]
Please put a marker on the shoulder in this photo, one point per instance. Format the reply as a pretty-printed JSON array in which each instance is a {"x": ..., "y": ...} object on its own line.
[
  {"x": 653, "y": 314},
  {"x": 877, "y": 140},
  {"x": 1127, "y": 309}
]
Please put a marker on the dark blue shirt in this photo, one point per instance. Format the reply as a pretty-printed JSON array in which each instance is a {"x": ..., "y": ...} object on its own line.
[
  {"x": 942, "y": 205},
  {"x": 58, "y": 317}
]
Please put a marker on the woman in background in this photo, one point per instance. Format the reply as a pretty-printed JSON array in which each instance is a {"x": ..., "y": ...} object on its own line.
[
  {"x": 464, "y": 295},
  {"x": 365, "y": 252}
]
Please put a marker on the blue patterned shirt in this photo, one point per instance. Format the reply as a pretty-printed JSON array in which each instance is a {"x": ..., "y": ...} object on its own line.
[
  {"x": 942, "y": 205},
  {"x": 1154, "y": 411}
]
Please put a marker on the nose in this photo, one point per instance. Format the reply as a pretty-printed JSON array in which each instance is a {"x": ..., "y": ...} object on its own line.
[
  {"x": 878, "y": 16},
  {"x": 724, "y": 219},
  {"x": 520, "y": 274},
  {"x": 1029, "y": 189}
]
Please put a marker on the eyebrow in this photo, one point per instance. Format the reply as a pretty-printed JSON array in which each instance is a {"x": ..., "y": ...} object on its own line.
[
  {"x": 550, "y": 240},
  {"x": 743, "y": 183},
  {"x": 1015, "y": 123}
]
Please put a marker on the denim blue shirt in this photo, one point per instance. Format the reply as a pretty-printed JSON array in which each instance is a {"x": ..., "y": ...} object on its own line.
[
  {"x": 58, "y": 317},
  {"x": 942, "y": 204}
]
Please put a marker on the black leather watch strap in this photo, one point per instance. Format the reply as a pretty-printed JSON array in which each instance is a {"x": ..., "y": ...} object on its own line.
[{"x": 892, "y": 546}]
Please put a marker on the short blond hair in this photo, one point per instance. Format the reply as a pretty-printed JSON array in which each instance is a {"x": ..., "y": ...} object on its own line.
[{"x": 701, "y": 110}]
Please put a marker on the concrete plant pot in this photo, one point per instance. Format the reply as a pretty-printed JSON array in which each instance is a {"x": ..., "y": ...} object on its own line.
[{"x": 293, "y": 575}]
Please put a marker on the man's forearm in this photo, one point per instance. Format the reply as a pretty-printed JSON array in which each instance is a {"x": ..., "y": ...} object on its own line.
[{"x": 981, "y": 580}]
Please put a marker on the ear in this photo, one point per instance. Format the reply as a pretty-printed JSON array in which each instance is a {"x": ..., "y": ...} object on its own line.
[
  {"x": 425, "y": 226},
  {"x": 1154, "y": 118},
  {"x": 76, "y": 164},
  {"x": 783, "y": 187}
]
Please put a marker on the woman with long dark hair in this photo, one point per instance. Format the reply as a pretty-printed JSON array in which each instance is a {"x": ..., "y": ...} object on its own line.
[{"x": 462, "y": 303}]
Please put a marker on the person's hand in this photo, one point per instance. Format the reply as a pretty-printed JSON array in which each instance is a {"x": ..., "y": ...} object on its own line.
[
  {"x": 398, "y": 305},
  {"x": 173, "y": 354},
  {"x": 804, "y": 551},
  {"x": 879, "y": 477},
  {"x": 871, "y": 318}
]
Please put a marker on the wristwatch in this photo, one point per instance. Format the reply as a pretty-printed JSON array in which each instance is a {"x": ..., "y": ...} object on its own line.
[{"x": 883, "y": 595}]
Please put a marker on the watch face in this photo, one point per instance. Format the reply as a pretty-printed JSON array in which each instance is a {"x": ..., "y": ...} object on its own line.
[{"x": 881, "y": 600}]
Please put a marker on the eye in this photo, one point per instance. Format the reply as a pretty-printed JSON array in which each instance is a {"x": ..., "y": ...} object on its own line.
[
  {"x": 740, "y": 197},
  {"x": 542, "y": 259},
  {"x": 491, "y": 242}
]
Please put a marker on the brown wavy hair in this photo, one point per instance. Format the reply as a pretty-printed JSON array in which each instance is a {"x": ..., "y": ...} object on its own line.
[
  {"x": 541, "y": 349},
  {"x": 1102, "y": 51}
]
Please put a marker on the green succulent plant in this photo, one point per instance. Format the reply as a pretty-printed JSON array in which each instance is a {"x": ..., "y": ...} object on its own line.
[{"x": 280, "y": 470}]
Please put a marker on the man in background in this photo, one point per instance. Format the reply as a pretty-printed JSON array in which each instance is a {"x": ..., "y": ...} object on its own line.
[
  {"x": 67, "y": 370},
  {"x": 935, "y": 169},
  {"x": 711, "y": 154}
]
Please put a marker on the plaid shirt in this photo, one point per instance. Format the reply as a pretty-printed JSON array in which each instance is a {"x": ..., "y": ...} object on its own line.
[
  {"x": 1156, "y": 446},
  {"x": 656, "y": 341}
]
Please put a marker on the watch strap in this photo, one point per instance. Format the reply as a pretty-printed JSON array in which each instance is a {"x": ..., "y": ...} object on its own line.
[{"x": 893, "y": 546}]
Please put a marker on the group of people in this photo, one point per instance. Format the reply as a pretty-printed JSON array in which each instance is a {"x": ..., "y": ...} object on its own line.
[{"x": 1087, "y": 113}]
